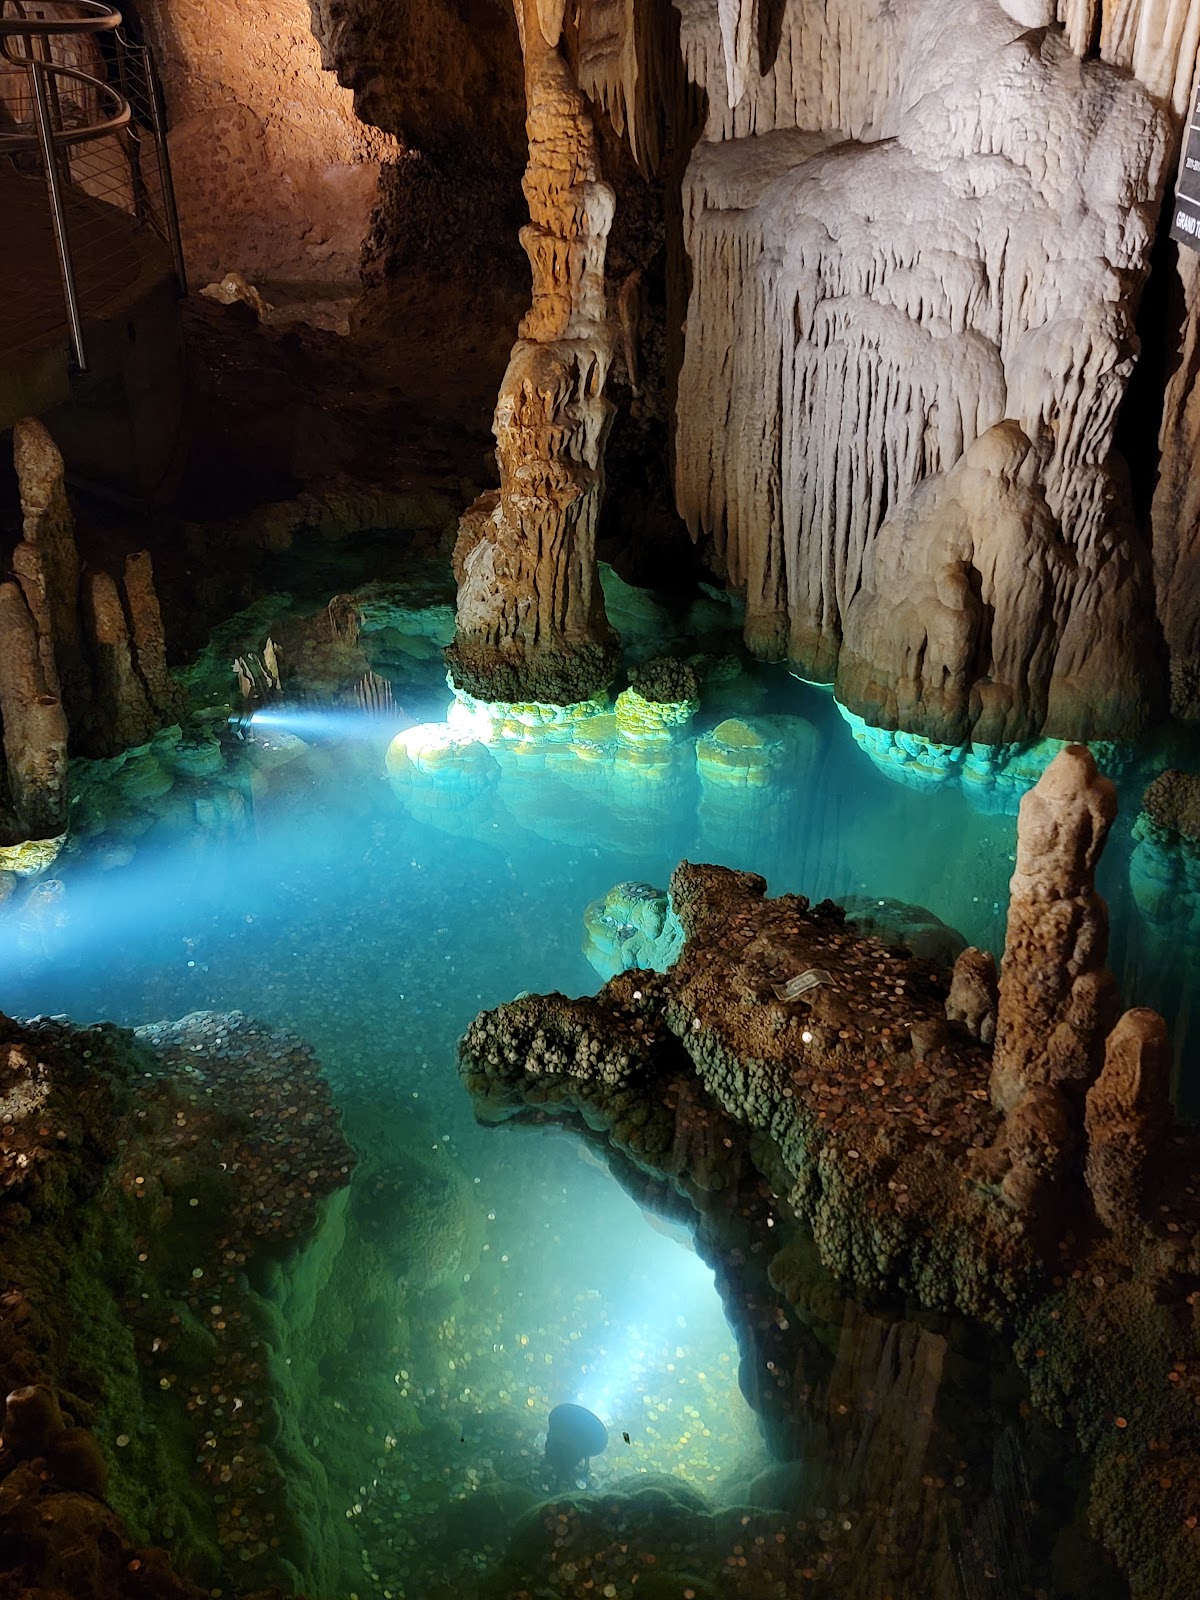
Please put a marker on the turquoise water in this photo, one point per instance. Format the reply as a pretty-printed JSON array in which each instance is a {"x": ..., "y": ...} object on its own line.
[{"x": 296, "y": 883}]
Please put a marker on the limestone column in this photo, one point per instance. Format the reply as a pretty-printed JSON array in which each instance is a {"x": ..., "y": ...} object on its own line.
[{"x": 531, "y": 623}]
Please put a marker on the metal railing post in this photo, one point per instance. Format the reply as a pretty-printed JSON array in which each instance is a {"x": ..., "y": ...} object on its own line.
[
  {"x": 158, "y": 122},
  {"x": 58, "y": 216},
  {"x": 133, "y": 149}
]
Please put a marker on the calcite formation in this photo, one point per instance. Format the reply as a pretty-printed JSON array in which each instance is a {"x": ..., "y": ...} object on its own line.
[
  {"x": 1040, "y": 1185},
  {"x": 82, "y": 652},
  {"x": 531, "y": 622},
  {"x": 910, "y": 329},
  {"x": 1057, "y": 998}
]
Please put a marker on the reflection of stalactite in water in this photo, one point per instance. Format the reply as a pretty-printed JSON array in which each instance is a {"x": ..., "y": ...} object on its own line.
[{"x": 991, "y": 1550}]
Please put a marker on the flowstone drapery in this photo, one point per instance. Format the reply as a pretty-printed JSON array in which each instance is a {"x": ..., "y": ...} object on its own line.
[{"x": 918, "y": 241}]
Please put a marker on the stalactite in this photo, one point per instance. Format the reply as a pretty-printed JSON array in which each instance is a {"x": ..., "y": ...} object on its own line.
[{"x": 946, "y": 231}]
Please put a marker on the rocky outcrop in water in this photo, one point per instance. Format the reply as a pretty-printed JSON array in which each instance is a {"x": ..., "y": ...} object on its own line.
[
  {"x": 910, "y": 1155},
  {"x": 82, "y": 651}
]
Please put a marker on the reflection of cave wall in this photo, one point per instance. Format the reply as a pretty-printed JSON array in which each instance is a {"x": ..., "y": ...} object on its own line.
[{"x": 275, "y": 175}]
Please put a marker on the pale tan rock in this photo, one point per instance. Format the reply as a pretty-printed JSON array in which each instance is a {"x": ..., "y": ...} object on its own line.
[
  {"x": 34, "y": 725},
  {"x": 530, "y": 620},
  {"x": 1128, "y": 1113},
  {"x": 973, "y": 993},
  {"x": 1156, "y": 40},
  {"x": 46, "y": 562},
  {"x": 969, "y": 622},
  {"x": 916, "y": 224},
  {"x": 1057, "y": 999}
]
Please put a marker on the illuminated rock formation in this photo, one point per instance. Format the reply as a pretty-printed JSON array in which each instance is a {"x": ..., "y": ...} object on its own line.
[
  {"x": 862, "y": 1105},
  {"x": 274, "y": 172},
  {"x": 1057, "y": 998},
  {"x": 895, "y": 256},
  {"x": 82, "y": 653},
  {"x": 531, "y": 622}
]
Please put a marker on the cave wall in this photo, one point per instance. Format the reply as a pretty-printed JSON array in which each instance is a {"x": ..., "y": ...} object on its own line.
[
  {"x": 908, "y": 251},
  {"x": 275, "y": 174},
  {"x": 919, "y": 235}
]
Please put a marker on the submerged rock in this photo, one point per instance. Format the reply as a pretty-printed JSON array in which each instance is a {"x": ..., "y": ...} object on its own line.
[{"x": 632, "y": 925}]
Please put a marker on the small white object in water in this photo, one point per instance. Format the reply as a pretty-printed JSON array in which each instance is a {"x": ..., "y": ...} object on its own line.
[{"x": 801, "y": 983}]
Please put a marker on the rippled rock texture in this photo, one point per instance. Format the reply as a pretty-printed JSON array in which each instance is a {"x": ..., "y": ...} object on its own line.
[{"x": 910, "y": 328}]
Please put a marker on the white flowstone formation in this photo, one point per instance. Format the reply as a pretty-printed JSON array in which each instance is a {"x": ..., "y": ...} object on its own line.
[{"x": 917, "y": 241}]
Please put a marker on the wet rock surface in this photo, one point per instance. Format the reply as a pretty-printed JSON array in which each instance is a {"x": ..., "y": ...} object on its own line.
[
  {"x": 856, "y": 1110},
  {"x": 151, "y": 1185}
]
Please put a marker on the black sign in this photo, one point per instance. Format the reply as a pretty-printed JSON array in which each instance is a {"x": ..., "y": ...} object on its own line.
[{"x": 1185, "y": 221}]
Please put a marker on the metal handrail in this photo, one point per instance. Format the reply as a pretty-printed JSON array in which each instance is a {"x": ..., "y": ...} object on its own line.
[
  {"x": 52, "y": 139},
  {"x": 98, "y": 18}
]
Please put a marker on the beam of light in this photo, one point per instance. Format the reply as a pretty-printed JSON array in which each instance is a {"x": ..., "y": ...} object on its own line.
[
  {"x": 673, "y": 1294},
  {"x": 325, "y": 722}
]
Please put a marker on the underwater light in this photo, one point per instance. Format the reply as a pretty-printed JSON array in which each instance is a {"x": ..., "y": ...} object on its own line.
[
  {"x": 573, "y": 1436},
  {"x": 680, "y": 1292},
  {"x": 313, "y": 722}
]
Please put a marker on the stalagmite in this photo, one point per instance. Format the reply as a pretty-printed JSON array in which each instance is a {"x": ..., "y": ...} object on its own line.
[
  {"x": 1057, "y": 999},
  {"x": 531, "y": 622},
  {"x": 1128, "y": 1113},
  {"x": 121, "y": 698},
  {"x": 34, "y": 727},
  {"x": 45, "y": 562}
]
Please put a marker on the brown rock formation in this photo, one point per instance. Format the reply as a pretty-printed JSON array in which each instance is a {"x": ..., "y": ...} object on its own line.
[
  {"x": 82, "y": 655},
  {"x": 700, "y": 1076},
  {"x": 120, "y": 695},
  {"x": 1176, "y": 510},
  {"x": 973, "y": 994},
  {"x": 1128, "y": 1114},
  {"x": 275, "y": 174},
  {"x": 531, "y": 622},
  {"x": 34, "y": 727},
  {"x": 1057, "y": 999},
  {"x": 46, "y": 562}
]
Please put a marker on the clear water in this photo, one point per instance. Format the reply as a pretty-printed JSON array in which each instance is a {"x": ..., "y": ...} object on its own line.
[{"x": 378, "y": 935}]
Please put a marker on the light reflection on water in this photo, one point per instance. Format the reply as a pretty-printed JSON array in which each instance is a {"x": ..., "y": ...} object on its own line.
[{"x": 378, "y": 937}]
